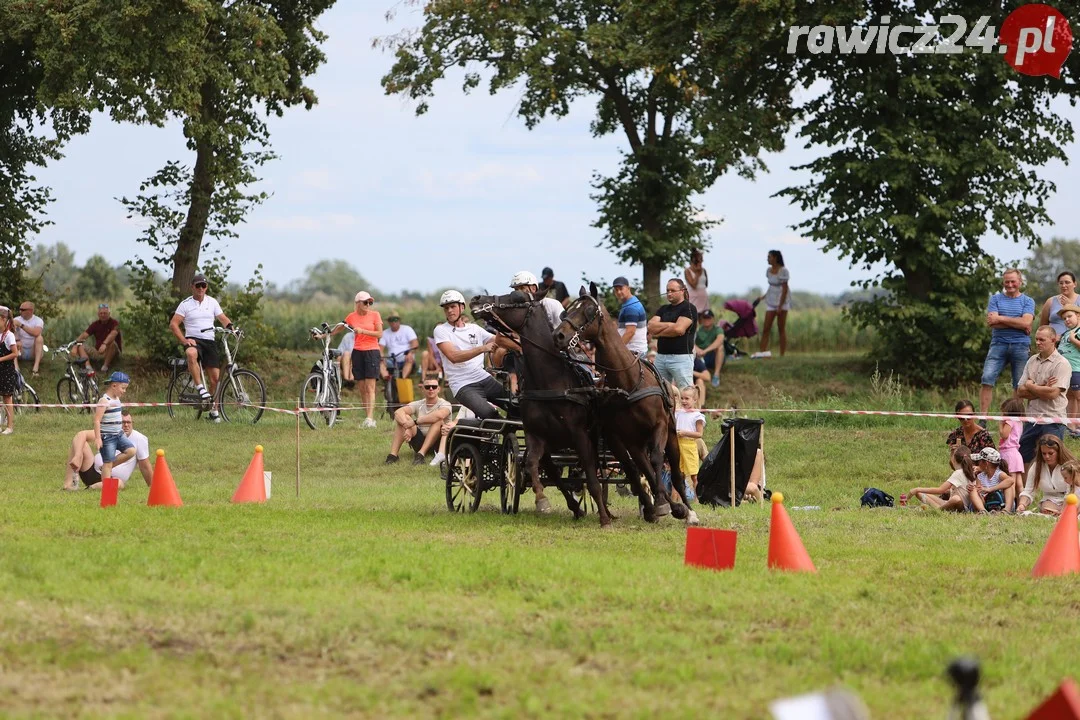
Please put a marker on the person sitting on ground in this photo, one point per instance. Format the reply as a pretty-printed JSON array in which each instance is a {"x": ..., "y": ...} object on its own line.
[
  {"x": 107, "y": 341},
  {"x": 1045, "y": 475},
  {"x": 709, "y": 346},
  {"x": 969, "y": 434},
  {"x": 1069, "y": 347},
  {"x": 994, "y": 490},
  {"x": 431, "y": 361},
  {"x": 1009, "y": 443},
  {"x": 1044, "y": 382},
  {"x": 463, "y": 413},
  {"x": 632, "y": 320},
  {"x": 755, "y": 486},
  {"x": 83, "y": 464},
  {"x": 9, "y": 373},
  {"x": 28, "y": 329},
  {"x": 958, "y": 486},
  {"x": 690, "y": 427},
  {"x": 401, "y": 343},
  {"x": 419, "y": 423}
]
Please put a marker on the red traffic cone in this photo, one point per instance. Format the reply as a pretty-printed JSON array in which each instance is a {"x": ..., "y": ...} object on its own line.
[
  {"x": 110, "y": 487},
  {"x": 786, "y": 550},
  {"x": 710, "y": 548},
  {"x": 162, "y": 488},
  {"x": 1061, "y": 555},
  {"x": 1064, "y": 704},
  {"x": 252, "y": 487}
]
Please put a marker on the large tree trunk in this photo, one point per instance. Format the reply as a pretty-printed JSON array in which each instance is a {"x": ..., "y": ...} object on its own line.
[
  {"x": 650, "y": 294},
  {"x": 188, "y": 245}
]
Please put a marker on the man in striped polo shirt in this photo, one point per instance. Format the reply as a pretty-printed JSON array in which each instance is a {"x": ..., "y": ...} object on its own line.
[
  {"x": 108, "y": 422},
  {"x": 1009, "y": 317}
]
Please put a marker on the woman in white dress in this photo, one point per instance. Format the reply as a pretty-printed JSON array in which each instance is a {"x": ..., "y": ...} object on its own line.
[
  {"x": 777, "y": 303},
  {"x": 697, "y": 282}
]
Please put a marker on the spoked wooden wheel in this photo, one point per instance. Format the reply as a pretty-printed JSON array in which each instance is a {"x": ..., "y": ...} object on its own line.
[
  {"x": 510, "y": 488},
  {"x": 463, "y": 479}
]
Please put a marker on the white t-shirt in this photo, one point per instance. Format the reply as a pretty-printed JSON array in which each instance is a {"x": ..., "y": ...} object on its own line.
[
  {"x": 124, "y": 470},
  {"x": 199, "y": 317},
  {"x": 458, "y": 375},
  {"x": 688, "y": 419},
  {"x": 10, "y": 341},
  {"x": 554, "y": 310},
  {"x": 959, "y": 483},
  {"x": 26, "y": 339},
  {"x": 397, "y": 343}
]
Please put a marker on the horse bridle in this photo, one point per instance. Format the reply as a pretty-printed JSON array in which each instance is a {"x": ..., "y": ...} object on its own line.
[{"x": 576, "y": 337}]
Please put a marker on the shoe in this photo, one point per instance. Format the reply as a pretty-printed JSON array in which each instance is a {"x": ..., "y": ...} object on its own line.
[
  {"x": 204, "y": 394},
  {"x": 761, "y": 355},
  {"x": 418, "y": 459},
  {"x": 104, "y": 369},
  {"x": 6, "y": 431},
  {"x": 437, "y": 460},
  {"x": 390, "y": 460},
  {"x": 369, "y": 423},
  {"x": 214, "y": 416},
  {"x": 716, "y": 381}
]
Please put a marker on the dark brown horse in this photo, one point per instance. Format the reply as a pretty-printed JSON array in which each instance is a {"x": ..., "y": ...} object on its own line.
[
  {"x": 558, "y": 405},
  {"x": 644, "y": 417}
]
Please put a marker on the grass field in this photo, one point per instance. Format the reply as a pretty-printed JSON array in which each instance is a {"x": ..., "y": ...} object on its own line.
[{"x": 366, "y": 597}]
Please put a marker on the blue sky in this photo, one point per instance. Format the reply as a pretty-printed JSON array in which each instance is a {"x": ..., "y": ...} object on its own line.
[{"x": 461, "y": 196}]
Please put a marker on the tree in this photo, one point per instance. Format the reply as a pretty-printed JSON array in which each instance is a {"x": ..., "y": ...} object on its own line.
[
  {"x": 97, "y": 281},
  {"x": 695, "y": 88},
  {"x": 335, "y": 278},
  {"x": 54, "y": 266},
  {"x": 927, "y": 154},
  {"x": 1047, "y": 261}
]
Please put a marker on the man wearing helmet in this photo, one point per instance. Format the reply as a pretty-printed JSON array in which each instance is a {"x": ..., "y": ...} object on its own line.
[
  {"x": 526, "y": 282},
  {"x": 463, "y": 346}
]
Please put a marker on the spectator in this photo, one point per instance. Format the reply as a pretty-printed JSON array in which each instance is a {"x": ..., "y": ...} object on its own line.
[
  {"x": 1009, "y": 317},
  {"x": 1044, "y": 383},
  {"x": 701, "y": 381},
  {"x": 28, "y": 331},
  {"x": 1052, "y": 307},
  {"x": 994, "y": 491},
  {"x": 959, "y": 485},
  {"x": 1046, "y": 474},
  {"x": 1069, "y": 347},
  {"x": 1009, "y": 443},
  {"x": 84, "y": 465},
  {"x": 9, "y": 374},
  {"x": 777, "y": 304},
  {"x": 366, "y": 357},
  {"x": 463, "y": 346},
  {"x": 419, "y": 423},
  {"x": 197, "y": 312},
  {"x": 632, "y": 321},
  {"x": 697, "y": 281},
  {"x": 524, "y": 281},
  {"x": 107, "y": 341},
  {"x": 690, "y": 427},
  {"x": 969, "y": 434},
  {"x": 401, "y": 343},
  {"x": 345, "y": 347},
  {"x": 431, "y": 361},
  {"x": 108, "y": 422},
  {"x": 674, "y": 326},
  {"x": 709, "y": 345},
  {"x": 554, "y": 288}
]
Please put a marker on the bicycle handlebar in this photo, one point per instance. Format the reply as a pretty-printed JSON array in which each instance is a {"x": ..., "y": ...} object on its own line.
[{"x": 66, "y": 349}]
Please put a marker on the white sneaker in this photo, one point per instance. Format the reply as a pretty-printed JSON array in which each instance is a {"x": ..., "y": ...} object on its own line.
[
  {"x": 760, "y": 355},
  {"x": 369, "y": 423},
  {"x": 439, "y": 457}
]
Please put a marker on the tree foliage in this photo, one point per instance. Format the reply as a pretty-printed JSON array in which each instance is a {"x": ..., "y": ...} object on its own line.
[
  {"x": 97, "y": 281},
  {"x": 927, "y": 154},
  {"x": 1047, "y": 261},
  {"x": 336, "y": 279},
  {"x": 695, "y": 88}
]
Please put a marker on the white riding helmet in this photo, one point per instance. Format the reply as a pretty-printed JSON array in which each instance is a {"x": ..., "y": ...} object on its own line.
[
  {"x": 450, "y": 297},
  {"x": 522, "y": 277}
]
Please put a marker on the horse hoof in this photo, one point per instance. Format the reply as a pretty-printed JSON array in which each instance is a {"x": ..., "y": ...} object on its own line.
[
  {"x": 679, "y": 511},
  {"x": 692, "y": 518},
  {"x": 606, "y": 526},
  {"x": 543, "y": 506},
  {"x": 661, "y": 509}
]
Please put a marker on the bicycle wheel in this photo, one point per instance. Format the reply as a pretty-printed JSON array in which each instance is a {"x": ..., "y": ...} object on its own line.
[
  {"x": 68, "y": 393},
  {"x": 182, "y": 396},
  {"x": 243, "y": 396},
  {"x": 26, "y": 397},
  {"x": 313, "y": 395}
]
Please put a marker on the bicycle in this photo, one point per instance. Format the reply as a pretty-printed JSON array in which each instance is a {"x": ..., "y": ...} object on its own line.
[
  {"x": 78, "y": 386},
  {"x": 395, "y": 363},
  {"x": 240, "y": 394},
  {"x": 322, "y": 387}
]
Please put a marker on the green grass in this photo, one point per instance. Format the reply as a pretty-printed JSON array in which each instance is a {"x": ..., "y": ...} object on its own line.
[{"x": 366, "y": 597}]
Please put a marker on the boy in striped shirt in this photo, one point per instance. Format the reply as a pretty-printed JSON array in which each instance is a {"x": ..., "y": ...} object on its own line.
[{"x": 108, "y": 424}]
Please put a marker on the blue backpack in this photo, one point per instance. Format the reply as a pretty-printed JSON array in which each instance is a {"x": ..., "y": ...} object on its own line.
[{"x": 872, "y": 497}]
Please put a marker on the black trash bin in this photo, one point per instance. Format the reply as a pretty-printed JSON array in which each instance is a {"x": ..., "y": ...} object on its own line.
[{"x": 714, "y": 476}]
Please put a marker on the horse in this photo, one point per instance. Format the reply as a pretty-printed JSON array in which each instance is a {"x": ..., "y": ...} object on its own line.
[
  {"x": 643, "y": 415},
  {"x": 557, "y": 404}
]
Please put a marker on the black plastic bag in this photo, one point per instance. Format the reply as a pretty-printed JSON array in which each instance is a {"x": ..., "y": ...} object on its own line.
[{"x": 714, "y": 477}]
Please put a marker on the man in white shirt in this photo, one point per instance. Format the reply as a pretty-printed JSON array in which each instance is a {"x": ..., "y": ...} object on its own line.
[
  {"x": 526, "y": 282},
  {"x": 28, "y": 329},
  {"x": 83, "y": 464},
  {"x": 463, "y": 346},
  {"x": 400, "y": 342},
  {"x": 197, "y": 313}
]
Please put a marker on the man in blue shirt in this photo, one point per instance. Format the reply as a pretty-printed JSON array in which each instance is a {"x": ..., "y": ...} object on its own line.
[
  {"x": 632, "y": 319},
  {"x": 1009, "y": 317}
]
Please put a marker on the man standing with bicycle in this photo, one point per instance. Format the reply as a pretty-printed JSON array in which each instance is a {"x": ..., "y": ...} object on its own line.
[{"x": 197, "y": 313}]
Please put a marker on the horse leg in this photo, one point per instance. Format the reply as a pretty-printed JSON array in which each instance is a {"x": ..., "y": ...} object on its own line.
[
  {"x": 630, "y": 470},
  {"x": 587, "y": 454},
  {"x": 672, "y": 452},
  {"x": 650, "y": 468},
  {"x": 534, "y": 451}
]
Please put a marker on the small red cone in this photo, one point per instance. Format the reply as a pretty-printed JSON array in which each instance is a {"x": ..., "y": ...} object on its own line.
[
  {"x": 1064, "y": 704},
  {"x": 110, "y": 487},
  {"x": 162, "y": 488},
  {"x": 252, "y": 487},
  {"x": 710, "y": 548},
  {"x": 786, "y": 550},
  {"x": 1061, "y": 556}
]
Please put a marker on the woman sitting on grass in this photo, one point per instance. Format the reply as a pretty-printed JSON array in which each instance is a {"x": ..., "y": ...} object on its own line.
[
  {"x": 994, "y": 491},
  {"x": 1009, "y": 446},
  {"x": 1047, "y": 474},
  {"x": 969, "y": 434},
  {"x": 958, "y": 486}
]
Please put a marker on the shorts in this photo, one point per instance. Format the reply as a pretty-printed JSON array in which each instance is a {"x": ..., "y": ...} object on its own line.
[
  {"x": 417, "y": 440},
  {"x": 1074, "y": 382},
  {"x": 699, "y": 364},
  {"x": 1000, "y": 354},
  {"x": 365, "y": 364},
  {"x": 1031, "y": 435},
  {"x": 26, "y": 353},
  {"x": 208, "y": 353},
  {"x": 678, "y": 369},
  {"x": 113, "y": 443},
  {"x": 90, "y": 476},
  {"x": 689, "y": 462}
]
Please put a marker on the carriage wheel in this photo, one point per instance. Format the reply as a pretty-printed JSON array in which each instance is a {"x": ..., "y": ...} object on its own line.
[
  {"x": 510, "y": 488},
  {"x": 463, "y": 479}
]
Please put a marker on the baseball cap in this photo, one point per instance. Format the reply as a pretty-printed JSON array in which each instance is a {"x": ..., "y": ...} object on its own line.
[
  {"x": 620, "y": 282},
  {"x": 362, "y": 296},
  {"x": 706, "y": 313},
  {"x": 199, "y": 278},
  {"x": 119, "y": 377},
  {"x": 988, "y": 454},
  {"x": 547, "y": 273},
  {"x": 393, "y": 318}
]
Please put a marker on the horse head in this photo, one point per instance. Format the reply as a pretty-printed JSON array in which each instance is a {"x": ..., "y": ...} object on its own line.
[
  {"x": 581, "y": 320},
  {"x": 508, "y": 311}
]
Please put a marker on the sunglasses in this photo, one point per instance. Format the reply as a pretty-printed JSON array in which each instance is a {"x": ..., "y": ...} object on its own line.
[
  {"x": 366, "y": 302},
  {"x": 25, "y": 309},
  {"x": 431, "y": 387},
  {"x": 201, "y": 285}
]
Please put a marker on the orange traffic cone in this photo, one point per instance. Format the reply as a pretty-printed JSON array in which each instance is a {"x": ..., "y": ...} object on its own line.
[
  {"x": 710, "y": 548},
  {"x": 1064, "y": 704},
  {"x": 1061, "y": 555},
  {"x": 786, "y": 551},
  {"x": 252, "y": 487},
  {"x": 162, "y": 488}
]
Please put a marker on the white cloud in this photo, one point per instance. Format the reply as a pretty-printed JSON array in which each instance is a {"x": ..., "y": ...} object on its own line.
[
  {"x": 307, "y": 223},
  {"x": 491, "y": 178}
]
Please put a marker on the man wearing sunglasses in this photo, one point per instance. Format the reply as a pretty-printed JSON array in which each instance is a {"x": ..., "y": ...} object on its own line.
[
  {"x": 28, "y": 331},
  {"x": 420, "y": 424},
  {"x": 106, "y": 333},
  {"x": 198, "y": 313}
]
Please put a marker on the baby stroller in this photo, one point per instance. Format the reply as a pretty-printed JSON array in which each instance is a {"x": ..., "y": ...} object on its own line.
[{"x": 745, "y": 326}]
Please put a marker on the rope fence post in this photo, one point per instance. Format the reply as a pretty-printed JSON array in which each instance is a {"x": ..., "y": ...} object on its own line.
[{"x": 297, "y": 451}]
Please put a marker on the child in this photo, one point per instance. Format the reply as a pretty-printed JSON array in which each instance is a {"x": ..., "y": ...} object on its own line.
[
  {"x": 959, "y": 485},
  {"x": 995, "y": 489},
  {"x": 1009, "y": 444},
  {"x": 689, "y": 426},
  {"x": 1069, "y": 347},
  {"x": 108, "y": 425},
  {"x": 9, "y": 376}
]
